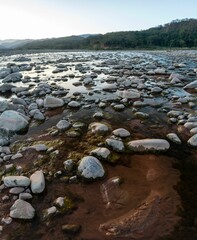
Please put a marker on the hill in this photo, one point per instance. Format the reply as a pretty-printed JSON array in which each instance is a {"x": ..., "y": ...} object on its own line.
[
  {"x": 178, "y": 33},
  {"x": 13, "y": 43}
]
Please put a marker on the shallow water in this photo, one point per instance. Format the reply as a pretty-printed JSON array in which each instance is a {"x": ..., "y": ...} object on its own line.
[{"x": 171, "y": 175}]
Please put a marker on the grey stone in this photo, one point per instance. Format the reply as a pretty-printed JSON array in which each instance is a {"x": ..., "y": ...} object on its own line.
[
  {"x": 116, "y": 144},
  {"x": 101, "y": 152},
  {"x": 97, "y": 127},
  {"x": 13, "y": 121},
  {"x": 90, "y": 168},
  {"x": 174, "y": 138},
  {"x": 37, "y": 182},
  {"x": 53, "y": 102},
  {"x": 22, "y": 210},
  {"x": 63, "y": 125},
  {"x": 121, "y": 132},
  {"x": 16, "y": 181},
  {"x": 146, "y": 145},
  {"x": 74, "y": 104}
]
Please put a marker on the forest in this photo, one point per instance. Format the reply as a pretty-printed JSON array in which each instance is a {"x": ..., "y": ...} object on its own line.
[{"x": 176, "y": 34}]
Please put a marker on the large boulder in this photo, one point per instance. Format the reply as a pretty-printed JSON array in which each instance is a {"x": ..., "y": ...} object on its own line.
[
  {"x": 148, "y": 145},
  {"x": 22, "y": 210},
  {"x": 13, "y": 121},
  {"x": 90, "y": 168},
  {"x": 53, "y": 102}
]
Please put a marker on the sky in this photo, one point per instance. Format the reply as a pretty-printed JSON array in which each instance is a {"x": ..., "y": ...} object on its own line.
[{"x": 36, "y": 19}]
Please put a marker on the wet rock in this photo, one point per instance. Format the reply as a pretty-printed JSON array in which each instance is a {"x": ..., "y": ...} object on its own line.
[
  {"x": 148, "y": 145},
  {"x": 16, "y": 190},
  {"x": 16, "y": 181},
  {"x": 13, "y": 121},
  {"x": 37, "y": 182},
  {"x": 191, "y": 85},
  {"x": 156, "y": 90},
  {"x": 4, "y": 72},
  {"x": 97, "y": 127},
  {"x": 116, "y": 144},
  {"x": 68, "y": 165},
  {"x": 64, "y": 204},
  {"x": 193, "y": 141},
  {"x": 160, "y": 71},
  {"x": 121, "y": 132},
  {"x": 119, "y": 107},
  {"x": 74, "y": 104},
  {"x": 16, "y": 156},
  {"x": 37, "y": 115},
  {"x": 13, "y": 77},
  {"x": 71, "y": 228},
  {"x": 22, "y": 210},
  {"x": 190, "y": 125},
  {"x": 53, "y": 102},
  {"x": 4, "y": 137},
  {"x": 50, "y": 212},
  {"x": 141, "y": 115},
  {"x": 193, "y": 131},
  {"x": 174, "y": 138},
  {"x": 7, "y": 220},
  {"x": 38, "y": 147},
  {"x": 174, "y": 113},
  {"x": 129, "y": 94},
  {"x": 22, "y": 59},
  {"x": 90, "y": 168},
  {"x": 25, "y": 196},
  {"x": 19, "y": 101},
  {"x": 98, "y": 115},
  {"x": 63, "y": 125},
  {"x": 101, "y": 152},
  {"x": 6, "y": 88}
]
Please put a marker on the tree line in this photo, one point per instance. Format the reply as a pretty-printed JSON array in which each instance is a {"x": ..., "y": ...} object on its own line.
[{"x": 176, "y": 34}]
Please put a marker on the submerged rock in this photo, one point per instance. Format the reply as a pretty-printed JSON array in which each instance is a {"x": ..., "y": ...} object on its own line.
[{"x": 148, "y": 145}]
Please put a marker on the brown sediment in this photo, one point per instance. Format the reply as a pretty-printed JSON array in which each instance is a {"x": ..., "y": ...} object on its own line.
[
  {"x": 142, "y": 176},
  {"x": 156, "y": 215}
]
